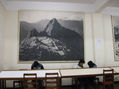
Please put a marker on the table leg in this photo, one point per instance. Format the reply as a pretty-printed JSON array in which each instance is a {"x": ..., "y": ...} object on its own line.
[
  {"x": 2, "y": 84},
  {"x": 60, "y": 84}
]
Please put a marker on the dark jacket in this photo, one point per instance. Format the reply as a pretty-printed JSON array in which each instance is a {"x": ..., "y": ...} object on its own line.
[{"x": 37, "y": 65}]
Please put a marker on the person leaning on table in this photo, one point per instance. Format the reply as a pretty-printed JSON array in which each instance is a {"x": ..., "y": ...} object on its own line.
[
  {"x": 91, "y": 64},
  {"x": 91, "y": 80},
  {"x": 37, "y": 65}
]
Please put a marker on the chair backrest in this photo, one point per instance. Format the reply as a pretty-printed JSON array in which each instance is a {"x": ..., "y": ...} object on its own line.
[
  {"x": 30, "y": 81},
  {"x": 52, "y": 81},
  {"x": 108, "y": 77}
]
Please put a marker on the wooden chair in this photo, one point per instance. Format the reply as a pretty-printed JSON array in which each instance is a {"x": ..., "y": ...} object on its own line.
[
  {"x": 30, "y": 81},
  {"x": 2, "y": 84},
  {"x": 52, "y": 81},
  {"x": 17, "y": 84},
  {"x": 108, "y": 79}
]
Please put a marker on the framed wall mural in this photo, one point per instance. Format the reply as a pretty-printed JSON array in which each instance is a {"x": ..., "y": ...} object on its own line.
[
  {"x": 51, "y": 36},
  {"x": 115, "y": 20}
]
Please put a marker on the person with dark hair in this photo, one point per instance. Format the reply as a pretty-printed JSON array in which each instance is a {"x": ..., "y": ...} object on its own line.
[
  {"x": 91, "y": 64},
  {"x": 91, "y": 80},
  {"x": 80, "y": 64},
  {"x": 37, "y": 65},
  {"x": 81, "y": 82}
]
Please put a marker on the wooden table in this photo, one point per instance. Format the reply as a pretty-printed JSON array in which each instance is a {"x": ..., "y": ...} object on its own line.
[
  {"x": 63, "y": 73},
  {"x": 18, "y": 75}
]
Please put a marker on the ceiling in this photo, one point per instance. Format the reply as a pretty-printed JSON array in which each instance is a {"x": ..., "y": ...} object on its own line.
[
  {"x": 71, "y": 1},
  {"x": 110, "y": 7}
]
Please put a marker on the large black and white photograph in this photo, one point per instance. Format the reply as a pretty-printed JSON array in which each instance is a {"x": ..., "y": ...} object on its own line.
[
  {"x": 116, "y": 36},
  {"x": 51, "y": 36}
]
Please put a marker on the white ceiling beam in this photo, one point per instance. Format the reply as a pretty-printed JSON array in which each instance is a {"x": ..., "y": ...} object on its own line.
[
  {"x": 4, "y": 2},
  {"x": 36, "y": 5},
  {"x": 100, "y": 4},
  {"x": 114, "y": 11},
  {"x": 63, "y": 1}
]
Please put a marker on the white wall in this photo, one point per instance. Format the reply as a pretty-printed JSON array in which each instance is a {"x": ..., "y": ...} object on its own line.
[
  {"x": 103, "y": 41},
  {"x": 108, "y": 38},
  {"x": 2, "y": 25},
  {"x": 97, "y": 38}
]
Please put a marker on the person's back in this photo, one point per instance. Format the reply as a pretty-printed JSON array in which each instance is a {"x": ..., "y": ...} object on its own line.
[{"x": 37, "y": 65}]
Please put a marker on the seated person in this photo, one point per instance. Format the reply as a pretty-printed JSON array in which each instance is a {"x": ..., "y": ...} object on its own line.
[
  {"x": 81, "y": 82},
  {"x": 91, "y": 80},
  {"x": 37, "y": 65},
  {"x": 80, "y": 64},
  {"x": 91, "y": 64}
]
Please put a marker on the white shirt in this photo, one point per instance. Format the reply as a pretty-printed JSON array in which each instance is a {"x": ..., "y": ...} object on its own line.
[{"x": 77, "y": 66}]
